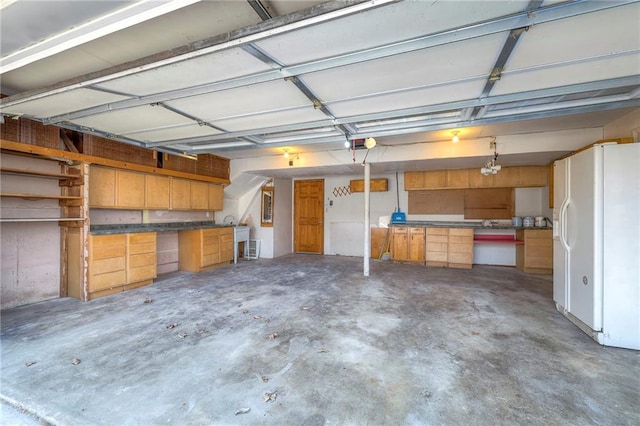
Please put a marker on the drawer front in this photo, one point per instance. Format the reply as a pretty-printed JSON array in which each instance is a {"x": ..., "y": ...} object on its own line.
[
  {"x": 144, "y": 259},
  {"x": 465, "y": 258},
  {"x": 400, "y": 229},
  {"x": 144, "y": 237},
  {"x": 210, "y": 249},
  {"x": 210, "y": 232},
  {"x": 460, "y": 248},
  {"x": 538, "y": 234},
  {"x": 225, "y": 238},
  {"x": 539, "y": 262},
  {"x": 210, "y": 259},
  {"x": 226, "y": 231},
  {"x": 226, "y": 255},
  {"x": 461, "y": 231},
  {"x": 437, "y": 231},
  {"x": 539, "y": 252},
  {"x": 107, "y": 252},
  {"x": 437, "y": 239},
  {"x": 537, "y": 242},
  {"x": 436, "y": 256},
  {"x": 461, "y": 239},
  {"x": 210, "y": 239},
  {"x": 106, "y": 281},
  {"x": 104, "y": 266},
  {"x": 437, "y": 247},
  {"x": 142, "y": 248},
  {"x": 141, "y": 274}
]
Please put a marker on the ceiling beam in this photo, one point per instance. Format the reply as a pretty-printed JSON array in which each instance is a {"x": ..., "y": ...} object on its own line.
[{"x": 260, "y": 9}]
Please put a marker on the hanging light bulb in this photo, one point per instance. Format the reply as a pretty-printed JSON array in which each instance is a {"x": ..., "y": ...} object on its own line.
[
  {"x": 286, "y": 153},
  {"x": 369, "y": 143},
  {"x": 455, "y": 138},
  {"x": 347, "y": 144}
]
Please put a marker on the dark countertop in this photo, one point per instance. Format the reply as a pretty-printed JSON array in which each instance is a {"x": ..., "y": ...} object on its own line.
[
  {"x": 462, "y": 225},
  {"x": 123, "y": 228}
]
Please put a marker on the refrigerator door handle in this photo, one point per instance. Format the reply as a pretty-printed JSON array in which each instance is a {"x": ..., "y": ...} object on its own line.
[{"x": 562, "y": 235}]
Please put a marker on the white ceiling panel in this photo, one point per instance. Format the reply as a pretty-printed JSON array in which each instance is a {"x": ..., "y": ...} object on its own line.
[
  {"x": 62, "y": 103},
  {"x": 416, "y": 98},
  {"x": 133, "y": 119},
  {"x": 384, "y": 25},
  {"x": 300, "y": 115},
  {"x": 582, "y": 36},
  {"x": 442, "y": 64},
  {"x": 263, "y": 97},
  {"x": 205, "y": 69},
  {"x": 582, "y": 72},
  {"x": 190, "y": 24},
  {"x": 173, "y": 133}
]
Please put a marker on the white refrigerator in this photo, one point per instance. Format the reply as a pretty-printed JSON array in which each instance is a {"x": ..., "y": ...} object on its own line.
[{"x": 596, "y": 242}]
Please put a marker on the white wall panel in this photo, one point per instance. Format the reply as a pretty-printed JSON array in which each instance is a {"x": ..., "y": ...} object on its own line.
[
  {"x": 129, "y": 120},
  {"x": 393, "y": 22},
  {"x": 300, "y": 115},
  {"x": 213, "y": 67},
  {"x": 415, "y": 98},
  {"x": 602, "y": 69},
  {"x": 442, "y": 64},
  {"x": 172, "y": 133},
  {"x": 263, "y": 97},
  {"x": 63, "y": 102}
]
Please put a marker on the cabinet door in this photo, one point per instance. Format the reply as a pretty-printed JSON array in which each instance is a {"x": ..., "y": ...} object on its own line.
[
  {"x": 435, "y": 179},
  {"x": 180, "y": 194},
  {"x": 508, "y": 177},
  {"x": 102, "y": 187},
  {"x": 458, "y": 178},
  {"x": 533, "y": 176},
  {"x": 226, "y": 244},
  {"x": 199, "y": 195},
  {"x": 216, "y": 196},
  {"x": 478, "y": 180},
  {"x": 416, "y": 245},
  {"x": 400, "y": 244},
  {"x": 413, "y": 180},
  {"x": 210, "y": 247},
  {"x": 157, "y": 190},
  {"x": 130, "y": 189}
]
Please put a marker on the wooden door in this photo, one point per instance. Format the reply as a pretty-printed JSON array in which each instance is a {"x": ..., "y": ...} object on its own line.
[
  {"x": 308, "y": 206},
  {"x": 416, "y": 245}
]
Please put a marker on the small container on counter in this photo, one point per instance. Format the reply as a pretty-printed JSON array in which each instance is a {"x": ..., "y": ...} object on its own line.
[
  {"x": 541, "y": 222},
  {"x": 528, "y": 222},
  {"x": 516, "y": 221}
]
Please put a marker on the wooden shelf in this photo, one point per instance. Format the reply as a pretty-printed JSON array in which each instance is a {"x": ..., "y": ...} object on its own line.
[
  {"x": 26, "y": 172},
  {"x": 40, "y": 196},
  {"x": 42, "y": 219}
]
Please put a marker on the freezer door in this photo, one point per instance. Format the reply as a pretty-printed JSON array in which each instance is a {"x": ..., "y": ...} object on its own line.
[
  {"x": 582, "y": 220},
  {"x": 560, "y": 255},
  {"x": 621, "y": 246}
]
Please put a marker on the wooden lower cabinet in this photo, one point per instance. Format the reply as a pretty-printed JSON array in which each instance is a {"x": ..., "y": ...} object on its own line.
[
  {"x": 408, "y": 244},
  {"x": 460, "y": 248},
  {"x": 437, "y": 246},
  {"x": 535, "y": 256},
  {"x": 200, "y": 249},
  {"x": 120, "y": 262}
]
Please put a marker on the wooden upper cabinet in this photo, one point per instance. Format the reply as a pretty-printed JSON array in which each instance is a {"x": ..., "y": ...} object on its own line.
[
  {"x": 102, "y": 187},
  {"x": 376, "y": 185},
  {"x": 478, "y": 180},
  {"x": 534, "y": 176},
  {"x": 199, "y": 196},
  {"x": 435, "y": 179},
  {"x": 180, "y": 194},
  {"x": 413, "y": 180},
  {"x": 458, "y": 178},
  {"x": 508, "y": 177},
  {"x": 216, "y": 197},
  {"x": 157, "y": 193},
  {"x": 129, "y": 189}
]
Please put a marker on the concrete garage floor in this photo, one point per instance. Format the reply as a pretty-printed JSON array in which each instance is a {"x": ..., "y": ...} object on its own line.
[{"x": 408, "y": 345}]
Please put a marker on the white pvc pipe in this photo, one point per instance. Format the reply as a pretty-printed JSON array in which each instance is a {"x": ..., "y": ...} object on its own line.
[{"x": 367, "y": 231}]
